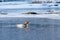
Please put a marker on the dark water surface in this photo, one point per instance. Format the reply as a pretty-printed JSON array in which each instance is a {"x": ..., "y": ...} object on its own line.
[{"x": 40, "y": 29}]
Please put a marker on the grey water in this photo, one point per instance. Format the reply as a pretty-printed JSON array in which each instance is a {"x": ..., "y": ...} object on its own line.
[
  {"x": 40, "y": 29},
  {"x": 10, "y": 0},
  {"x": 45, "y": 8}
]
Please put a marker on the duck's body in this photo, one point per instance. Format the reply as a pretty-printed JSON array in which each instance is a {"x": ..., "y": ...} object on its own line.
[
  {"x": 20, "y": 25},
  {"x": 25, "y": 25}
]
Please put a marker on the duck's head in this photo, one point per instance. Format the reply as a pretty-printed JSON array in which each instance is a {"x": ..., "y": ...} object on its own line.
[{"x": 26, "y": 22}]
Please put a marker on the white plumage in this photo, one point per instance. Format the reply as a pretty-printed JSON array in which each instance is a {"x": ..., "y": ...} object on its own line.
[{"x": 20, "y": 25}]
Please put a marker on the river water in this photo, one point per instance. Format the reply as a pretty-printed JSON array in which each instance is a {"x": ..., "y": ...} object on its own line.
[{"x": 40, "y": 29}]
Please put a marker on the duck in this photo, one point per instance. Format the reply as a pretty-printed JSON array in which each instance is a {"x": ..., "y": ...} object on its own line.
[{"x": 25, "y": 25}]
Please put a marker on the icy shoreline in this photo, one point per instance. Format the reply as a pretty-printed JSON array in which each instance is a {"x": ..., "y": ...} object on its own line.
[{"x": 50, "y": 16}]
